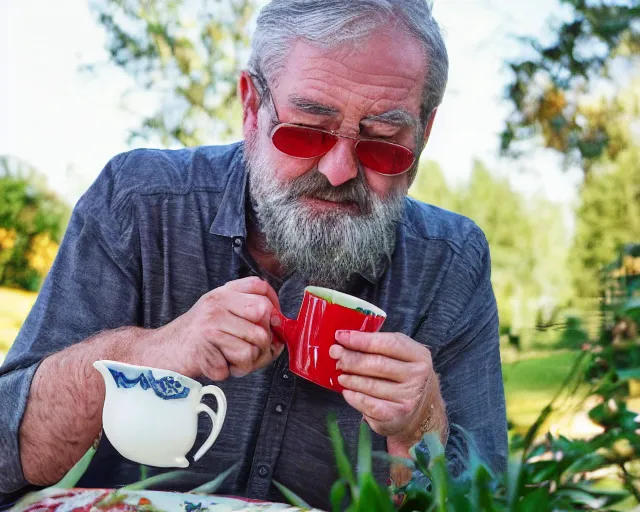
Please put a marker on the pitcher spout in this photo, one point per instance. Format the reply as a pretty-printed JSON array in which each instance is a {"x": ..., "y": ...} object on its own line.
[{"x": 104, "y": 371}]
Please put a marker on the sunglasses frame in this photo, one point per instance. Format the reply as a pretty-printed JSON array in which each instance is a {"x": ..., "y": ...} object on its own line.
[{"x": 279, "y": 124}]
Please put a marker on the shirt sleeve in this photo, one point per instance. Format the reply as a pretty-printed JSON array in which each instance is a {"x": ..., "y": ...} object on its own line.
[
  {"x": 467, "y": 361},
  {"x": 92, "y": 286}
]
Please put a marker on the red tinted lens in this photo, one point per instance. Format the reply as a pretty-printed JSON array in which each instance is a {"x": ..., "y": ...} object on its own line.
[
  {"x": 302, "y": 142},
  {"x": 384, "y": 157}
]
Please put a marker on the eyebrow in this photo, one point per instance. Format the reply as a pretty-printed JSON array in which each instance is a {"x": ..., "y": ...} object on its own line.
[
  {"x": 312, "y": 107},
  {"x": 396, "y": 117}
]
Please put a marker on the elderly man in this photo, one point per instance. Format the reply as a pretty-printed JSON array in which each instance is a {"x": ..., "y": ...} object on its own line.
[{"x": 178, "y": 260}]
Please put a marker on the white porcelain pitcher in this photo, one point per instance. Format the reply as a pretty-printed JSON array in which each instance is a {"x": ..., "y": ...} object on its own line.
[{"x": 150, "y": 415}]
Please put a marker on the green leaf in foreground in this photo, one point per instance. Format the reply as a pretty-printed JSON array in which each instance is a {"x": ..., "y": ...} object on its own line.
[
  {"x": 70, "y": 480},
  {"x": 155, "y": 480},
  {"x": 364, "y": 451},
  {"x": 344, "y": 467},
  {"x": 338, "y": 492},
  {"x": 372, "y": 497},
  {"x": 212, "y": 486},
  {"x": 293, "y": 498}
]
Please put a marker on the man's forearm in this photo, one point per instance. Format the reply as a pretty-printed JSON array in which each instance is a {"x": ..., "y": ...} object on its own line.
[{"x": 63, "y": 415}]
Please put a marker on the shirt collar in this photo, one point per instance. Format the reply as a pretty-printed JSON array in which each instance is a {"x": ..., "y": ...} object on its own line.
[{"x": 231, "y": 218}]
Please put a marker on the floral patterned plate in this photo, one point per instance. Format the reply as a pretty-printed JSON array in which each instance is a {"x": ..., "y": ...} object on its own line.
[{"x": 109, "y": 500}]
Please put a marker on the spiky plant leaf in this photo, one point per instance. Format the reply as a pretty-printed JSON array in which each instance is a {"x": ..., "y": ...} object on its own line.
[
  {"x": 71, "y": 479},
  {"x": 212, "y": 486},
  {"x": 155, "y": 480},
  {"x": 344, "y": 467},
  {"x": 364, "y": 451},
  {"x": 293, "y": 498},
  {"x": 337, "y": 494}
]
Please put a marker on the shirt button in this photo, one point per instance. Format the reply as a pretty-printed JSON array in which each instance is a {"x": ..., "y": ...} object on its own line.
[
  {"x": 263, "y": 471},
  {"x": 279, "y": 408},
  {"x": 237, "y": 242}
]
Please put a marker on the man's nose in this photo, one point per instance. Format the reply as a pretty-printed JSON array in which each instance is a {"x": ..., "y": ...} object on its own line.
[{"x": 340, "y": 164}]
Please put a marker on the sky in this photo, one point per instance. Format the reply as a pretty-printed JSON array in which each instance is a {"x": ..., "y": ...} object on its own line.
[{"x": 68, "y": 124}]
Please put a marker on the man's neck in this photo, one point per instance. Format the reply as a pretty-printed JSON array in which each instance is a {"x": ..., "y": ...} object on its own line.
[{"x": 257, "y": 247}]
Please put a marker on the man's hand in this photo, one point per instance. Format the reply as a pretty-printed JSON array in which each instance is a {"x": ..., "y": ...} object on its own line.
[
  {"x": 390, "y": 379},
  {"x": 227, "y": 332}
]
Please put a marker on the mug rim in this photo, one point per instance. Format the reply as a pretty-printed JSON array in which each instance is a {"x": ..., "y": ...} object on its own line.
[
  {"x": 344, "y": 299},
  {"x": 161, "y": 372}
]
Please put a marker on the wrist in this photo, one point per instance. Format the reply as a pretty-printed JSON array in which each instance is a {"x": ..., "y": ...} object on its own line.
[
  {"x": 430, "y": 416},
  {"x": 137, "y": 346}
]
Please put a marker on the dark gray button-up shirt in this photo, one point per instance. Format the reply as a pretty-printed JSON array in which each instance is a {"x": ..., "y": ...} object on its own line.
[{"x": 158, "y": 229}]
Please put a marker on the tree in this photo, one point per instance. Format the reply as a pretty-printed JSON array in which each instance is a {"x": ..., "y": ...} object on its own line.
[
  {"x": 32, "y": 222},
  {"x": 430, "y": 186},
  {"x": 555, "y": 91},
  {"x": 608, "y": 218},
  {"x": 527, "y": 239},
  {"x": 188, "y": 52}
]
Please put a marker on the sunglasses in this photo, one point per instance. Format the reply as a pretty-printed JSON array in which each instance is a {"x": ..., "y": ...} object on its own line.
[{"x": 306, "y": 142}]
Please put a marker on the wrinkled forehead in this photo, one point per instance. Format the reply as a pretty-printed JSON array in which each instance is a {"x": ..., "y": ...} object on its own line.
[{"x": 386, "y": 71}]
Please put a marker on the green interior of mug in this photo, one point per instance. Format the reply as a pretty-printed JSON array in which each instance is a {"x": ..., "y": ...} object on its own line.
[{"x": 344, "y": 300}]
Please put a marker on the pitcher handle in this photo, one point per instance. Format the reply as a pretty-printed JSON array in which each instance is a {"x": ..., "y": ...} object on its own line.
[{"x": 217, "y": 419}]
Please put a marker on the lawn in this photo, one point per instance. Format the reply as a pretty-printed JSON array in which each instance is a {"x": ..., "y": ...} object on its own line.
[{"x": 532, "y": 382}]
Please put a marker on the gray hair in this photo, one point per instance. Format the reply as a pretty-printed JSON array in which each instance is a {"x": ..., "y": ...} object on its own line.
[{"x": 330, "y": 23}]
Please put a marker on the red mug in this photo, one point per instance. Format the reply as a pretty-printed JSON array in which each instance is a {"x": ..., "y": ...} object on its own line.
[{"x": 309, "y": 338}]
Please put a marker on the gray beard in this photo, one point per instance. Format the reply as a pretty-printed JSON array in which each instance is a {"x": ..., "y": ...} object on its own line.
[{"x": 327, "y": 247}]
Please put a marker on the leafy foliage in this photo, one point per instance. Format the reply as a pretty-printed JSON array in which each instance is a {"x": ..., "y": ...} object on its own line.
[
  {"x": 552, "y": 90},
  {"x": 32, "y": 222},
  {"x": 189, "y": 54},
  {"x": 608, "y": 218}
]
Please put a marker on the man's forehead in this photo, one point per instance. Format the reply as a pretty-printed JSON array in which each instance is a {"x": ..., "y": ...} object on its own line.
[{"x": 323, "y": 82}]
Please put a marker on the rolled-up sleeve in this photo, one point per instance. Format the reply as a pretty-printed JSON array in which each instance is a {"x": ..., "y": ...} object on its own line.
[
  {"x": 92, "y": 286},
  {"x": 467, "y": 360}
]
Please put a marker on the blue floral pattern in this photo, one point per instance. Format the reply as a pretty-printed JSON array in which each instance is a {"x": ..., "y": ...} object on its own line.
[
  {"x": 194, "y": 507},
  {"x": 166, "y": 388}
]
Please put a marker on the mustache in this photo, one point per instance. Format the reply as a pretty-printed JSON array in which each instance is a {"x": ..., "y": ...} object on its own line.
[{"x": 315, "y": 185}]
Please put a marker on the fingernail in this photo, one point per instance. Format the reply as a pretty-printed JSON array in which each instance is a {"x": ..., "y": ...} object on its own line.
[
  {"x": 275, "y": 321},
  {"x": 342, "y": 335},
  {"x": 341, "y": 379},
  {"x": 335, "y": 351}
]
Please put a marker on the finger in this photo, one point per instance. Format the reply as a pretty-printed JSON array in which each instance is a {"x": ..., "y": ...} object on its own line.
[
  {"x": 238, "y": 353},
  {"x": 369, "y": 365},
  {"x": 393, "y": 345},
  {"x": 375, "y": 408},
  {"x": 244, "y": 330},
  {"x": 377, "y": 388},
  {"x": 267, "y": 357},
  {"x": 254, "y": 308},
  {"x": 213, "y": 364},
  {"x": 254, "y": 285}
]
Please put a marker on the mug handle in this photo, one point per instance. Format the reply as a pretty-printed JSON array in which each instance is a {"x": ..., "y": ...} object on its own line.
[{"x": 216, "y": 418}]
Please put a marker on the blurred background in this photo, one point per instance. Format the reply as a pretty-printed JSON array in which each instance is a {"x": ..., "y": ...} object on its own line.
[{"x": 538, "y": 141}]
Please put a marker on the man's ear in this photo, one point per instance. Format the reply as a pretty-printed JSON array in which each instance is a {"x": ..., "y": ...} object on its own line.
[
  {"x": 427, "y": 130},
  {"x": 250, "y": 100}
]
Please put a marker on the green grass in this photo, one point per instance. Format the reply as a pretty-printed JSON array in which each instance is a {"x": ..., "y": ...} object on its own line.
[{"x": 532, "y": 382}]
